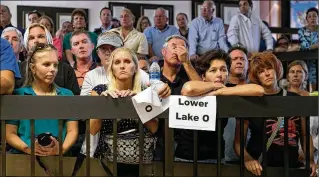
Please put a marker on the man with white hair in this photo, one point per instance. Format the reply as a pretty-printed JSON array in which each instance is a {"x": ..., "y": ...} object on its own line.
[
  {"x": 157, "y": 34},
  {"x": 133, "y": 39},
  {"x": 15, "y": 38},
  {"x": 206, "y": 32}
]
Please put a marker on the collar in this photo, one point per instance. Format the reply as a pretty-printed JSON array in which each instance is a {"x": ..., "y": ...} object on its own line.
[
  {"x": 211, "y": 21},
  {"x": 93, "y": 66},
  {"x": 128, "y": 35},
  {"x": 8, "y": 25},
  {"x": 105, "y": 29},
  {"x": 165, "y": 28},
  {"x": 29, "y": 90}
]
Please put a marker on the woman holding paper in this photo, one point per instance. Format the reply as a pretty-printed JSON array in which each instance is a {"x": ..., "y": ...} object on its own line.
[{"x": 124, "y": 81}]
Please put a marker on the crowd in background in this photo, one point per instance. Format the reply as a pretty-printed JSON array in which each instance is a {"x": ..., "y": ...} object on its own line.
[{"x": 199, "y": 58}]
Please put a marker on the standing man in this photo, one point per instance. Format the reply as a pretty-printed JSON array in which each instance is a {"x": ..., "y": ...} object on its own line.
[
  {"x": 157, "y": 34},
  {"x": 182, "y": 22},
  {"x": 206, "y": 32},
  {"x": 133, "y": 39},
  {"x": 105, "y": 17},
  {"x": 34, "y": 17},
  {"x": 5, "y": 20},
  {"x": 247, "y": 29}
]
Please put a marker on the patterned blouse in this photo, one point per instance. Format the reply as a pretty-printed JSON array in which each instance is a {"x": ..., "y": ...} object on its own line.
[
  {"x": 107, "y": 126},
  {"x": 307, "y": 38}
]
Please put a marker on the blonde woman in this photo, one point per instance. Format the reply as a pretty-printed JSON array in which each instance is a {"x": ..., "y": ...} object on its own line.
[
  {"x": 42, "y": 68},
  {"x": 142, "y": 23},
  {"x": 57, "y": 42},
  {"x": 124, "y": 80}
]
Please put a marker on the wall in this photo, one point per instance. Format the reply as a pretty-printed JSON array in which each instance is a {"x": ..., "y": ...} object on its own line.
[{"x": 93, "y": 6}]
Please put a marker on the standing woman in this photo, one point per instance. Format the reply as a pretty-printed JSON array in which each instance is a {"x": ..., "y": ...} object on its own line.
[
  {"x": 297, "y": 77},
  {"x": 266, "y": 70},
  {"x": 42, "y": 68},
  {"x": 308, "y": 37},
  {"x": 57, "y": 42},
  {"x": 142, "y": 23},
  {"x": 124, "y": 80}
]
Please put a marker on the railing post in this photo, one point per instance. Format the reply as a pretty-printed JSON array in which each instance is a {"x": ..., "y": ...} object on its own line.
[
  {"x": 169, "y": 150},
  {"x": 87, "y": 136},
  {"x": 60, "y": 139},
  {"x": 286, "y": 147},
  {"x": 141, "y": 148},
  {"x": 3, "y": 148},
  {"x": 32, "y": 148},
  {"x": 219, "y": 142},
  {"x": 195, "y": 153},
  {"x": 242, "y": 145},
  {"x": 115, "y": 147}
]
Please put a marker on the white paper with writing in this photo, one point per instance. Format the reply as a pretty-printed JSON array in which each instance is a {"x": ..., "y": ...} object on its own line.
[
  {"x": 148, "y": 105},
  {"x": 195, "y": 113}
]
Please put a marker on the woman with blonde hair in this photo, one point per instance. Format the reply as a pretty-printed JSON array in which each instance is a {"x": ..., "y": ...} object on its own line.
[
  {"x": 42, "y": 68},
  {"x": 124, "y": 81},
  {"x": 57, "y": 41},
  {"x": 142, "y": 23}
]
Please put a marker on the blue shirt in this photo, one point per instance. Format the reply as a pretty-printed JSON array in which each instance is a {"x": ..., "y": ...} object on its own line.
[
  {"x": 206, "y": 35},
  {"x": 40, "y": 126},
  {"x": 307, "y": 38},
  {"x": 156, "y": 37},
  {"x": 8, "y": 60}
]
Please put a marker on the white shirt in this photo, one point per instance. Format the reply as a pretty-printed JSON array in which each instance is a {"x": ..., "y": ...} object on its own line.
[
  {"x": 98, "y": 76},
  {"x": 248, "y": 32}
]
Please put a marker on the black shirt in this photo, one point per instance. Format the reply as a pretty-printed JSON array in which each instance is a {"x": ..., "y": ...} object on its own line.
[
  {"x": 275, "y": 154},
  {"x": 207, "y": 142},
  {"x": 65, "y": 77}
]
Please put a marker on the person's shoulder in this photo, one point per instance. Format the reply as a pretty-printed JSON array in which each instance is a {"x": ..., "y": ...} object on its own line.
[
  {"x": 218, "y": 20},
  {"x": 65, "y": 66},
  {"x": 148, "y": 29},
  {"x": 64, "y": 91},
  {"x": 97, "y": 70},
  {"x": 92, "y": 34},
  {"x": 292, "y": 94},
  {"x": 4, "y": 44},
  {"x": 22, "y": 91}
]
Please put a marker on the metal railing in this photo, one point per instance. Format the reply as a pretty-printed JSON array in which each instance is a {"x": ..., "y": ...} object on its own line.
[{"x": 64, "y": 107}]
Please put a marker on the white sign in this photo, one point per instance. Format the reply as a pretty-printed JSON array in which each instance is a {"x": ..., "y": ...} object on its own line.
[{"x": 195, "y": 113}]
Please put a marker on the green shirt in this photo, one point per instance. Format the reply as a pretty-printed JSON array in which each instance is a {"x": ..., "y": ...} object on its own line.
[
  {"x": 40, "y": 126},
  {"x": 93, "y": 37}
]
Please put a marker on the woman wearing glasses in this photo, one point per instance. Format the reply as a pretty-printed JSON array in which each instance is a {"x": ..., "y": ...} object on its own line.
[{"x": 42, "y": 68}]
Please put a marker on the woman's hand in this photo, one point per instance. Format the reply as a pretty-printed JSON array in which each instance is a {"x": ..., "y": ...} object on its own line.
[
  {"x": 53, "y": 148},
  {"x": 117, "y": 93},
  {"x": 164, "y": 91},
  {"x": 254, "y": 167}
]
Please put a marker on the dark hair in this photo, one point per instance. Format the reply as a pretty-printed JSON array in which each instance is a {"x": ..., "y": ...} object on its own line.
[
  {"x": 312, "y": 9},
  {"x": 250, "y": 2},
  {"x": 281, "y": 37},
  {"x": 76, "y": 33},
  {"x": 35, "y": 12},
  {"x": 203, "y": 63},
  {"x": 237, "y": 46},
  {"x": 7, "y": 9},
  {"x": 80, "y": 12},
  {"x": 106, "y": 9},
  {"x": 115, "y": 20},
  {"x": 181, "y": 13}
]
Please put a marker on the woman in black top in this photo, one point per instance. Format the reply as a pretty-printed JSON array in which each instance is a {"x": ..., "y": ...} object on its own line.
[{"x": 265, "y": 69}]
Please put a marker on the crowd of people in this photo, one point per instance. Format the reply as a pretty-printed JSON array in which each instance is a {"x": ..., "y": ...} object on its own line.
[{"x": 199, "y": 59}]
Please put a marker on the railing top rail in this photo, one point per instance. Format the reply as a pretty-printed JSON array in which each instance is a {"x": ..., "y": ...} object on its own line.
[
  {"x": 304, "y": 55},
  {"x": 85, "y": 107}
]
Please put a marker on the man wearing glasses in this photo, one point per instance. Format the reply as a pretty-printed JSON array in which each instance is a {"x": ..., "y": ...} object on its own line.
[{"x": 206, "y": 32}]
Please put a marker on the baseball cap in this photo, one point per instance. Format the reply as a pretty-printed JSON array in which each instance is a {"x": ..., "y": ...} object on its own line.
[{"x": 110, "y": 38}]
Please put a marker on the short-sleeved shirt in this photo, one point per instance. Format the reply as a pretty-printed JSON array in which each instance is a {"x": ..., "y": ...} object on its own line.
[
  {"x": 67, "y": 44},
  {"x": 135, "y": 40},
  {"x": 40, "y": 126},
  {"x": 156, "y": 37},
  {"x": 275, "y": 153},
  {"x": 8, "y": 60}
]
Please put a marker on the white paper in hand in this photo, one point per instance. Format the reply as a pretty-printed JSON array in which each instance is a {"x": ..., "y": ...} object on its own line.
[{"x": 148, "y": 105}]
